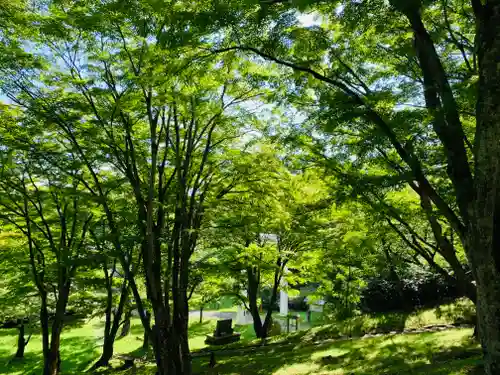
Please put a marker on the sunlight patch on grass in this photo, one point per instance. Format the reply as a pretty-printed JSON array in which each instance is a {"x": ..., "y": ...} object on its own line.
[
  {"x": 422, "y": 353},
  {"x": 298, "y": 368},
  {"x": 81, "y": 344},
  {"x": 300, "y": 353}
]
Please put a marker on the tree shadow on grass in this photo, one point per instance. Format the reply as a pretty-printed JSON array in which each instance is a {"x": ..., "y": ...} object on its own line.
[
  {"x": 32, "y": 363},
  {"x": 352, "y": 327},
  {"x": 386, "y": 356},
  {"x": 380, "y": 355},
  {"x": 8, "y": 332},
  {"x": 76, "y": 354}
]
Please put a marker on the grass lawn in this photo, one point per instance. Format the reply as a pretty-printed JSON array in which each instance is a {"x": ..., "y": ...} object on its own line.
[
  {"x": 80, "y": 345},
  {"x": 440, "y": 353},
  {"x": 424, "y": 353},
  {"x": 297, "y": 353}
]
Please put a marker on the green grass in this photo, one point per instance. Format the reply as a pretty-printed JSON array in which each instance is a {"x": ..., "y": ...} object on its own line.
[
  {"x": 440, "y": 353},
  {"x": 424, "y": 353},
  {"x": 457, "y": 312},
  {"x": 295, "y": 353},
  {"x": 80, "y": 345}
]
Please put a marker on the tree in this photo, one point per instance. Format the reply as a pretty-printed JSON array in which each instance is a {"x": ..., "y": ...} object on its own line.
[
  {"x": 18, "y": 294},
  {"x": 48, "y": 210},
  {"x": 265, "y": 227},
  {"x": 419, "y": 226},
  {"x": 423, "y": 65},
  {"x": 113, "y": 309},
  {"x": 154, "y": 130}
]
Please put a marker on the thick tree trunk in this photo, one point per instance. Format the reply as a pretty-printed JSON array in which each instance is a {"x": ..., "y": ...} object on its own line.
[
  {"x": 53, "y": 360},
  {"x": 145, "y": 341},
  {"x": 181, "y": 325},
  {"x": 181, "y": 310},
  {"x": 165, "y": 344},
  {"x": 484, "y": 247}
]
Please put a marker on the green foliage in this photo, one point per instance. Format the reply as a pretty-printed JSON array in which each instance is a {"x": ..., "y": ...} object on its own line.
[{"x": 197, "y": 145}]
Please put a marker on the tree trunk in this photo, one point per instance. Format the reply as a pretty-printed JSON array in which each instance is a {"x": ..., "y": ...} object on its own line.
[
  {"x": 53, "y": 358},
  {"x": 112, "y": 326},
  {"x": 181, "y": 309},
  {"x": 447, "y": 250},
  {"x": 44, "y": 322},
  {"x": 165, "y": 344},
  {"x": 252, "y": 291},
  {"x": 201, "y": 314},
  {"x": 146, "y": 339},
  {"x": 126, "y": 324},
  {"x": 484, "y": 236},
  {"x": 21, "y": 342},
  {"x": 274, "y": 296}
]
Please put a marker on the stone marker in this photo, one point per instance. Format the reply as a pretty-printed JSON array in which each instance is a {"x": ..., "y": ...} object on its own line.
[{"x": 224, "y": 334}]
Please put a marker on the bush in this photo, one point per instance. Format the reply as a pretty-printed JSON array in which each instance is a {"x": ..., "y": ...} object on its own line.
[
  {"x": 274, "y": 329},
  {"x": 416, "y": 290}
]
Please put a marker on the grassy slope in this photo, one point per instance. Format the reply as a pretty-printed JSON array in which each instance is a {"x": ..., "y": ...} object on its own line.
[
  {"x": 441, "y": 353},
  {"x": 425, "y": 353}
]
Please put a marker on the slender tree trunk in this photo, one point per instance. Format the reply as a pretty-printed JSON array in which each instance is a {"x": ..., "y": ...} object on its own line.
[
  {"x": 126, "y": 324},
  {"x": 53, "y": 359},
  {"x": 21, "y": 342},
  {"x": 44, "y": 322},
  {"x": 484, "y": 236},
  {"x": 252, "y": 291},
  {"x": 201, "y": 314},
  {"x": 447, "y": 251},
  {"x": 274, "y": 297},
  {"x": 172, "y": 347},
  {"x": 112, "y": 326},
  {"x": 181, "y": 319},
  {"x": 146, "y": 339}
]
